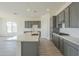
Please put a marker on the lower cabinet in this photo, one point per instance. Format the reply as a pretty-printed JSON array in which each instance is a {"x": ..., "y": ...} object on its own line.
[
  {"x": 56, "y": 41},
  {"x": 66, "y": 47},
  {"x": 70, "y": 49},
  {"x": 61, "y": 45}
]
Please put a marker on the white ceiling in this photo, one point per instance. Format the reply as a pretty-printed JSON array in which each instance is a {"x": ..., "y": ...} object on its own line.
[{"x": 37, "y": 9}]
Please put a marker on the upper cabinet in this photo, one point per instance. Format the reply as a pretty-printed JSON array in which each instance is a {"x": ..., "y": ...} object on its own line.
[
  {"x": 74, "y": 15},
  {"x": 57, "y": 21},
  {"x": 67, "y": 17},
  {"x": 54, "y": 21},
  {"x": 61, "y": 17},
  {"x": 60, "y": 20}
]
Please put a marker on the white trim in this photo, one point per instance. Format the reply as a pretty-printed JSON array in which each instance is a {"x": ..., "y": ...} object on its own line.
[{"x": 63, "y": 7}]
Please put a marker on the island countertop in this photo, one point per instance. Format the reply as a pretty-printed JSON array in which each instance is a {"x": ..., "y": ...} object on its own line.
[{"x": 28, "y": 37}]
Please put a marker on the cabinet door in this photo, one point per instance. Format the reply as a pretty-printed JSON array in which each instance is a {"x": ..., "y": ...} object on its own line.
[
  {"x": 67, "y": 19},
  {"x": 51, "y": 28},
  {"x": 61, "y": 45},
  {"x": 74, "y": 17},
  {"x": 57, "y": 42},
  {"x": 54, "y": 21},
  {"x": 57, "y": 21},
  {"x": 54, "y": 39},
  {"x": 61, "y": 17},
  {"x": 77, "y": 3},
  {"x": 69, "y": 50}
]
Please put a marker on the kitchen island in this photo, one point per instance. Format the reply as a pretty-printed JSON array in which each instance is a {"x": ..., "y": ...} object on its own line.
[{"x": 28, "y": 44}]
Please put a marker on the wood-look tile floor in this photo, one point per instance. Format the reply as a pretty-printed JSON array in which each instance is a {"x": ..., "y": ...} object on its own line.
[
  {"x": 7, "y": 47},
  {"x": 47, "y": 48}
]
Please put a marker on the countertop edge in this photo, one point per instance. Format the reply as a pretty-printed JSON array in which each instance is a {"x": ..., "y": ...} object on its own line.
[{"x": 68, "y": 38}]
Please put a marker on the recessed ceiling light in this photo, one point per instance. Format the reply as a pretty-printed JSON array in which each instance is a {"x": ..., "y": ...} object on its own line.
[
  {"x": 15, "y": 13},
  {"x": 35, "y": 11},
  {"x": 28, "y": 9}
]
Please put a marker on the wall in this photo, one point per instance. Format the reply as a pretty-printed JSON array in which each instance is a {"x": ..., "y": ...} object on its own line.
[
  {"x": 3, "y": 27},
  {"x": 20, "y": 24},
  {"x": 0, "y": 26},
  {"x": 45, "y": 26}
]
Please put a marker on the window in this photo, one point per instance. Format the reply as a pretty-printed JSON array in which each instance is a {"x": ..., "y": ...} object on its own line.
[{"x": 11, "y": 27}]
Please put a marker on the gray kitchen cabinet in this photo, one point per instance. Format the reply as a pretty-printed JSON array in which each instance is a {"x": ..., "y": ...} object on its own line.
[
  {"x": 61, "y": 17},
  {"x": 57, "y": 21},
  {"x": 51, "y": 27},
  {"x": 67, "y": 48},
  {"x": 74, "y": 15},
  {"x": 70, "y": 49},
  {"x": 61, "y": 45},
  {"x": 67, "y": 17},
  {"x": 29, "y": 49},
  {"x": 54, "y": 37},
  {"x": 54, "y": 21},
  {"x": 56, "y": 40},
  {"x": 29, "y": 24},
  {"x": 70, "y": 16}
]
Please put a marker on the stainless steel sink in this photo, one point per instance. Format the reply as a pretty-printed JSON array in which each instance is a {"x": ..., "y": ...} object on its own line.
[
  {"x": 35, "y": 34},
  {"x": 63, "y": 34}
]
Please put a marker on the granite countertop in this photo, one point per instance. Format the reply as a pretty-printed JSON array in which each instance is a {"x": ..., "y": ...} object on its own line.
[
  {"x": 69, "y": 38},
  {"x": 28, "y": 37}
]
